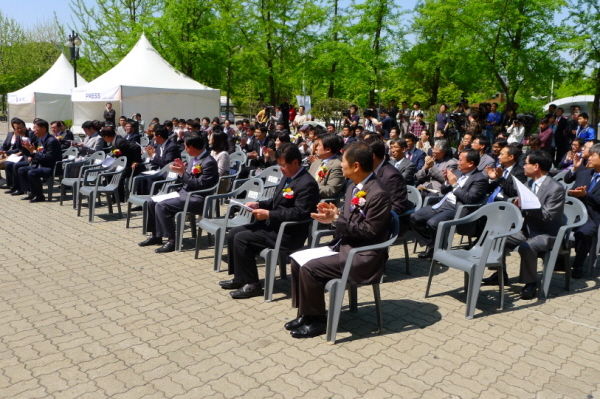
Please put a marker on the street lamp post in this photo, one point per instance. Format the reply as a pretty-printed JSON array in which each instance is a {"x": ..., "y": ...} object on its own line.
[{"x": 73, "y": 44}]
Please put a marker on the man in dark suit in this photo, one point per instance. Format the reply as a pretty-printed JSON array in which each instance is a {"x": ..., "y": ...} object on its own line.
[
  {"x": 109, "y": 115},
  {"x": 200, "y": 173},
  {"x": 43, "y": 160},
  {"x": 166, "y": 151},
  {"x": 587, "y": 190},
  {"x": 21, "y": 135},
  {"x": 132, "y": 132},
  {"x": 540, "y": 226},
  {"x": 63, "y": 136},
  {"x": 562, "y": 135},
  {"x": 502, "y": 186},
  {"x": 361, "y": 224},
  {"x": 390, "y": 178},
  {"x": 408, "y": 169},
  {"x": 467, "y": 186},
  {"x": 348, "y": 135},
  {"x": 431, "y": 177},
  {"x": 412, "y": 153},
  {"x": 122, "y": 147},
  {"x": 296, "y": 197},
  {"x": 327, "y": 170}
]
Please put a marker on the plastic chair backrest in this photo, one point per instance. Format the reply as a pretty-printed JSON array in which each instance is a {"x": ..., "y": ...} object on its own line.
[
  {"x": 414, "y": 196},
  {"x": 144, "y": 141},
  {"x": 271, "y": 175},
  {"x": 560, "y": 177},
  {"x": 70, "y": 153},
  {"x": 501, "y": 217},
  {"x": 238, "y": 156}
]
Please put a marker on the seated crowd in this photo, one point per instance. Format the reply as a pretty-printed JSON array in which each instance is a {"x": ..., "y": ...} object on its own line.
[{"x": 366, "y": 167}]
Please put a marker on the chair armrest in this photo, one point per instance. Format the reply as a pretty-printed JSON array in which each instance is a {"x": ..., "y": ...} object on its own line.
[
  {"x": 354, "y": 251},
  {"x": 204, "y": 191},
  {"x": 91, "y": 170},
  {"x": 174, "y": 187},
  {"x": 282, "y": 228},
  {"x": 159, "y": 182},
  {"x": 316, "y": 239},
  {"x": 238, "y": 183},
  {"x": 460, "y": 208}
]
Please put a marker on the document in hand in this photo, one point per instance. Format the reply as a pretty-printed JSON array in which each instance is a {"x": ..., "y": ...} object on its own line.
[
  {"x": 14, "y": 158},
  {"x": 527, "y": 199},
  {"x": 303, "y": 257},
  {"x": 240, "y": 204},
  {"x": 163, "y": 197}
]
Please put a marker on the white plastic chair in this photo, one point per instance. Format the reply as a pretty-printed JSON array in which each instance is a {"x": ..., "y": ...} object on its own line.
[{"x": 503, "y": 220}]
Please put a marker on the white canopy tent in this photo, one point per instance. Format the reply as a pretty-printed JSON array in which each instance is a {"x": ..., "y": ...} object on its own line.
[
  {"x": 585, "y": 102},
  {"x": 49, "y": 97},
  {"x": 143, "y": 82}
]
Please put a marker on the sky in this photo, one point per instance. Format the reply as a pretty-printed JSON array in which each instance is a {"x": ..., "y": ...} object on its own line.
[{"x": 29, "y": 12}]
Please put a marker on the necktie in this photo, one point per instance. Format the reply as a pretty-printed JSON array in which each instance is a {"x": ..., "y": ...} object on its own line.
[
  {"x": 594, "y": 181},
  {"x": 287, "y": 181},
  {"x": 498, "y": 189},
  {"x": 408, "y": 155},
  {"x": 534, "y": 188}
]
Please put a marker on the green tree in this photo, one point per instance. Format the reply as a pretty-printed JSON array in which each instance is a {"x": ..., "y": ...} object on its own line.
[{"x": 583, "y": 27}]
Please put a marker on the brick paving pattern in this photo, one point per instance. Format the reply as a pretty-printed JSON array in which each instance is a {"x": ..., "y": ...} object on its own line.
[{"x": 86, "y": 313}]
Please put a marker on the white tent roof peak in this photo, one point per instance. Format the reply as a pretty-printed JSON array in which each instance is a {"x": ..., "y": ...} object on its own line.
[
  {"x": 57, "y": 80},
  {"x": 144, "y": 67}
]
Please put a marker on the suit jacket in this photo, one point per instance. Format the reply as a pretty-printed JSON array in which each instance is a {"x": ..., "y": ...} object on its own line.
[
  {"x": 508, "y": 188},
  {"x": 408, "y": 170},
  {"x": 134, "y": 137},
  {"x": 395, "y": 184},
  {"x": 486, "y": 161},
  {"x": 170, "y": 153},
  {"x": 303, "y": 202},
  {"x": 256, "y": 146},
  {"x": 49, "y": 155},
  {"x": 92, "y": 144},
  {"x": 208, "y": 177},
  {"x": 548, "y": 219},
  {"x": 417, "y": 157},
  {"x": 434, "y": 177},
  {"x": 129, "y": 149},
  {"x": 349, "y": 140},
  {"x": 561, "y": 134},
  {"x": 592, "y": 198},
  {"x": 471, "y": 192},
  {"x": 333, "y": 182},
  {"x": 361, "y": 226},
  {"x": 65, "y": 139},
  {"x": 7, "y": 145}
]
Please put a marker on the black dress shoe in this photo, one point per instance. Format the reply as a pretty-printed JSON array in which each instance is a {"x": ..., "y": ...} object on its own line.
[
  {"x": 39, "y": 198},
  {"x": 27, "y": 197},
  {"x": 231, "y": 285},
  {"x": 427, "y": 254},
  {"x": 494, "y": 280},
  {"x": 151, "y": 240},
  {"x": 136, "y": 209},
  {"x": 577, "y": 273},
  {"x": 168, "y": 247},
  {"x": 295, "y": 324},
  {"x": 309, "y": 330},
  {"x": 17, "y": 192},
  {"x": 529, "y": 291},
  {"x": 9, "y": 191},
  {"x": 247, "y": 291}
]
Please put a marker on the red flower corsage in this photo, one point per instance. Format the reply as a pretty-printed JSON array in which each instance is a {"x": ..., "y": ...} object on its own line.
[
  {"x": 197, "y": 170},
  {"x": 322, "y": 172},
  {"x": 288, "y": 193},
  {"x": 117, "y": 152},
  {"x": 40, "y": 149}
]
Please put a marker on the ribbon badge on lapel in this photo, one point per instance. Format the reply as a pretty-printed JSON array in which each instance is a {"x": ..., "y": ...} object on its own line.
[{"x": 288, "y": 193}]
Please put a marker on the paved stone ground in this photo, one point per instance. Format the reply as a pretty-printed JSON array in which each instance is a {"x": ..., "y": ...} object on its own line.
[{"x": 86, "y": 313}]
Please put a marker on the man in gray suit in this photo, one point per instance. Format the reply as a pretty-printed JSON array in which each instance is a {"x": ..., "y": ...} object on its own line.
[
  {"x": 482, "y": 144},
  {"x": 406, "y": 167},
  {"x": 431, "y": 176},
  {"x": 540, "y": 226},
  {"x": 327, "y": 170}
]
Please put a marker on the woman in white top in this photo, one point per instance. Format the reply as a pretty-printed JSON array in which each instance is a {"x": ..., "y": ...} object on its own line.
[
  {"x": 424, "y": 144},
  {"x": 218, "y": 143},
  {"x": 516, "y": 132},
  {"x": 300, "y": 118}
]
